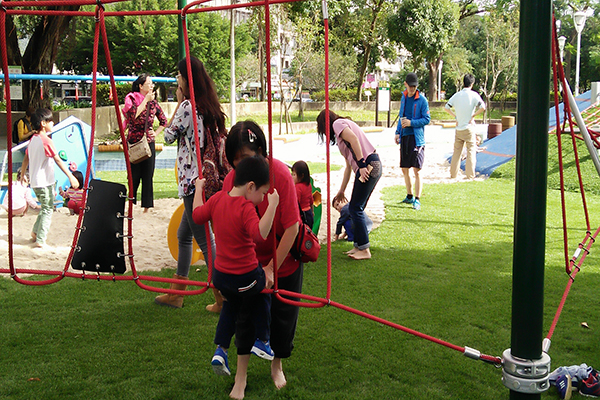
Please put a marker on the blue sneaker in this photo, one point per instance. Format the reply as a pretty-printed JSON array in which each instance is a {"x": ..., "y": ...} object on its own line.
[
  {"x": 408, "y": 200},
  {"x": 263, "y": 349},
  {"x": 219, "y": 362},
  {"x": 563, "y": 386},
  {"x": 591, "y": 385},
  {"x": 416, "y": 205}
]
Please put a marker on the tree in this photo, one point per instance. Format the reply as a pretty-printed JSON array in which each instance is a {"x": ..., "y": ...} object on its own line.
[
  {"x": 45, "y": 33},
  {"x": 456, "y": 65},
  {"x": 425, "y": 28}
]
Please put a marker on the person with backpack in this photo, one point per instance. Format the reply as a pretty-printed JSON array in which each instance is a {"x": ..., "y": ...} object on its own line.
[
  {"x": 210, "y": 120},
  {"x": 22, "y": 129}
]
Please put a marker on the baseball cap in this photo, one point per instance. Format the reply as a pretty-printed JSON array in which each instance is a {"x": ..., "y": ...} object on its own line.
[{"x": 411, "y": 79}]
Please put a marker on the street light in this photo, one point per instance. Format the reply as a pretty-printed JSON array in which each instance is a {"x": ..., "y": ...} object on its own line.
[
  {"x": 579, "y": 20},
  {"x": 561, "y": 46}
]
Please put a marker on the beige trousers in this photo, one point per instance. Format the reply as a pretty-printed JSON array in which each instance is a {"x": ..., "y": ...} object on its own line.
[{"x": 466, "y": 137}]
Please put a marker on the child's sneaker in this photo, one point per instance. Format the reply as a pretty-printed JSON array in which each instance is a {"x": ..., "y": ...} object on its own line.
[
  {"x": 563, "y": 386},
  {"x": 591, "y": 385},
  {"x": 408, "y": 200},
  {"x": 416, "y": 205},
  {"x": 219, "y": 362},
  {"x": 263, "y": 349}
]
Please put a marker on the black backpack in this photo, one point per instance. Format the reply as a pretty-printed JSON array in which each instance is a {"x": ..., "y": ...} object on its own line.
[{"x": 15, "y": 129}]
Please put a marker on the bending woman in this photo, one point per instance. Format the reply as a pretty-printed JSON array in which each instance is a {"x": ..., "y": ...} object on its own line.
[
  {"x": 361, "y": 159},
  {"x": 208, "y": 115},
  {"x": 246, "y": 139},
  {"x": 140, "y": 110}
]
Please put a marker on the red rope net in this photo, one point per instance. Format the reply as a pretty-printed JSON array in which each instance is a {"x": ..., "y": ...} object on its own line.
[{"x": 24, "y": 8}]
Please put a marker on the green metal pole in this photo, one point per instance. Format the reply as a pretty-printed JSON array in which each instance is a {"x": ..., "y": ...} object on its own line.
[
  {"x": 181, "y": 43},
  {"x": 530, "y": 187}
]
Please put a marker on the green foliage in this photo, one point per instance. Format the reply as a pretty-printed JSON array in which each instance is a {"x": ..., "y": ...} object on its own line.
[
  {"x": 103, "y": 93},
  {"x": 335, "y": 95},
  {"x": 424, "y": 27}
]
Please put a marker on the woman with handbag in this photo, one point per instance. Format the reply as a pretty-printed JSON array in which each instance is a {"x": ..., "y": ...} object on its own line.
[
  {"x": 246, "y": 139},
  {"x": 140, "y": 110},
  {"x": 209, "y": 116}
]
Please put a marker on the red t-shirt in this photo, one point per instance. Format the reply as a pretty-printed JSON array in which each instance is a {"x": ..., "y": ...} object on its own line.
[
  {"x": 235, "y": 223},
  {"x": 304, "y": 192},
  {"x": 286, "y": 215}
]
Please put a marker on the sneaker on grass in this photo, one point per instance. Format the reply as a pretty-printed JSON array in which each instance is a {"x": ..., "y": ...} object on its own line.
[
  {"x": 263, "y": 349},
  {"x": 591, "y": 385},
  {"x": 219, "y": 362},
  {"x": 408, "y": 200},
  {"x": 416, "y": 205},
  {"x": 563, "y": 386}
]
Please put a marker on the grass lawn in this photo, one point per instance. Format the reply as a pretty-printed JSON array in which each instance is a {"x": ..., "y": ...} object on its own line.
[{"x": 444, "y": 271}]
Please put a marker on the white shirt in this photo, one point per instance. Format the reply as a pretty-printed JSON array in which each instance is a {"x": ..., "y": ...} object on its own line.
[
  {"x": 465, "y": 103},
  {"x": 41, "y": 161}
]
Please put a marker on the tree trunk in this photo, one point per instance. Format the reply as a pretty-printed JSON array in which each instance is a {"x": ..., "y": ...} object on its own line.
[
  {"x": 40, "y": 55},
  {"x": 433, "y": 67},
  {"x": 363, "y": 69}
]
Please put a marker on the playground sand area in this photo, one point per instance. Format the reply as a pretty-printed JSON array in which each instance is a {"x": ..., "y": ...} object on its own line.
[{"x": 150, "y": 244}]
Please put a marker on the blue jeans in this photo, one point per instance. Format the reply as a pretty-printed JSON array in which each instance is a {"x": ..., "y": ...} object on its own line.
[{"x": 361, "y": 192}]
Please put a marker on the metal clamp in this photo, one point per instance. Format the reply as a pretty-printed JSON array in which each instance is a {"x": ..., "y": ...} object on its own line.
[{"x": 525, "y": 376}]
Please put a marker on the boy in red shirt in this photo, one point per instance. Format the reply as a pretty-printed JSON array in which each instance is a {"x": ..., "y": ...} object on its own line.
[{"x": 237, "y": 273}]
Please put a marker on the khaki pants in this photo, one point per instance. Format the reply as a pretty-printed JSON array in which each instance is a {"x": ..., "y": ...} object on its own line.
[{"x": 464, "y": 137}]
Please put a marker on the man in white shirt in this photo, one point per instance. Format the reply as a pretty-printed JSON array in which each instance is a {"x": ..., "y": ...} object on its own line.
[{"x": 467, "y": 104}]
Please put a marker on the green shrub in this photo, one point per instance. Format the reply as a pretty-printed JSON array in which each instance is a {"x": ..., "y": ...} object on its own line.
[{"x": 103, "y": 93}]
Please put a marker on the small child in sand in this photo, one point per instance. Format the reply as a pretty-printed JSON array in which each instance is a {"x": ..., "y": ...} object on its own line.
[
  {"x": 74, "y": 197},
  {"x": 21, "y": 197},
  {"x": 345, "y": 222},
  {"x": 237, "y": 273},
  {"x": 41, "y": 156}
]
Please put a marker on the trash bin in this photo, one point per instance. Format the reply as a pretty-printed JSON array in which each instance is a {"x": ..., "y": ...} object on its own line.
[
  {"x": 507, "y": 122},
  {"x": 494, "y": 129}
]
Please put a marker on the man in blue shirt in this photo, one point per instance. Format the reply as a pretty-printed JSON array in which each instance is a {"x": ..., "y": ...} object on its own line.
[{"x": 410, "y": 135}]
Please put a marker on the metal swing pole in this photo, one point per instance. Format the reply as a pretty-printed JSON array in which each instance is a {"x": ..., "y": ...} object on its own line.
[{"x": 526, "y": 365}]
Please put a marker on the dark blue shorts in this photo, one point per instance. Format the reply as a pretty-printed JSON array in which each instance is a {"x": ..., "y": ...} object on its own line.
[{"x": 411, "y": 155}]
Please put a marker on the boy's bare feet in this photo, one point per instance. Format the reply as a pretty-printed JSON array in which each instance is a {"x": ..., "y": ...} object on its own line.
[
  {"x": 277, "y": 373},
  {"x": 146, "y": 210},
  {"x": 216, "y": 308},
  {"x": 361, "y": 254},
  {"x": 33, "y": 236},
  {"x": 354, "y": 250},
  {"x": 239, "y": 387}
]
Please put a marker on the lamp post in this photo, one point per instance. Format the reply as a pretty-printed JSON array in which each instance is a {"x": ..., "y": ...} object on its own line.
[
  {"x": 561, "y": 46},
  {"x": 439, "y": 91},
  {"x": 579, "y": 20}
]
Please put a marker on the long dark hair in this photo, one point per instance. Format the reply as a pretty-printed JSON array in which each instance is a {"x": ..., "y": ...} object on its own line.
[
  {"x": 135, "y": 86},
  {"x": 245, "y": 134},
  {"x": 302, "y": 171},
  {"x": 322, "y": 129},
  {"x": 205, "y": 94}
]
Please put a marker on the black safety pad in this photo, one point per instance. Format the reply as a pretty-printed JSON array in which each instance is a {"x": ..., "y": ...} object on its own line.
[{"x": 100, "y": 244}]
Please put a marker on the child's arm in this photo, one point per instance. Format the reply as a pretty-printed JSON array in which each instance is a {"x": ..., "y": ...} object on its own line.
[
  {"x": 266, "y": 222},
  {"x": 24, "y": 166},
  {"x": 63, "y": 168},
  {"x": 198, "y": 200}
]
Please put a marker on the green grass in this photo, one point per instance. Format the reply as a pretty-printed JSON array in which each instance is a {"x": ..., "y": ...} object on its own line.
[{"x": 445, "y": 271}]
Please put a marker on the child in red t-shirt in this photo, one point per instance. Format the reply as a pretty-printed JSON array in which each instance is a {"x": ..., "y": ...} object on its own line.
[
  {"x": 301, "y": 176},
  {"x": 237, "y": 272},
  {"x": 73, "y": 197}
]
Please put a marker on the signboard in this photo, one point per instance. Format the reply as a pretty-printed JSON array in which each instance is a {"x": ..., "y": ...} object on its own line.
[
  {"x": 16, "y": 91},
  {"x": 383, "y": 99}
]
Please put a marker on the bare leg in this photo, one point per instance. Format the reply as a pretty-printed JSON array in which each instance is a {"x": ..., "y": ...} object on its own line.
[
  {"x": 241, "y": 374},
  {"x": 361, "y": 254},
  {"x": 277, "y": 373},
  {"x": 405, "y": 172},
  {"x": 418, "y": 183}
]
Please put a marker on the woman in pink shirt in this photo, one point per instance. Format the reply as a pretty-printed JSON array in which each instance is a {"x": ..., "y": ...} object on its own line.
[{"x": 361, "y": 159}]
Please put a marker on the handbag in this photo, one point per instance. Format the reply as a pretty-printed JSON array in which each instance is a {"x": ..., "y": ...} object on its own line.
[
  {"x": 306, "y": 247},
  {"x": 140, "y": 150}
]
